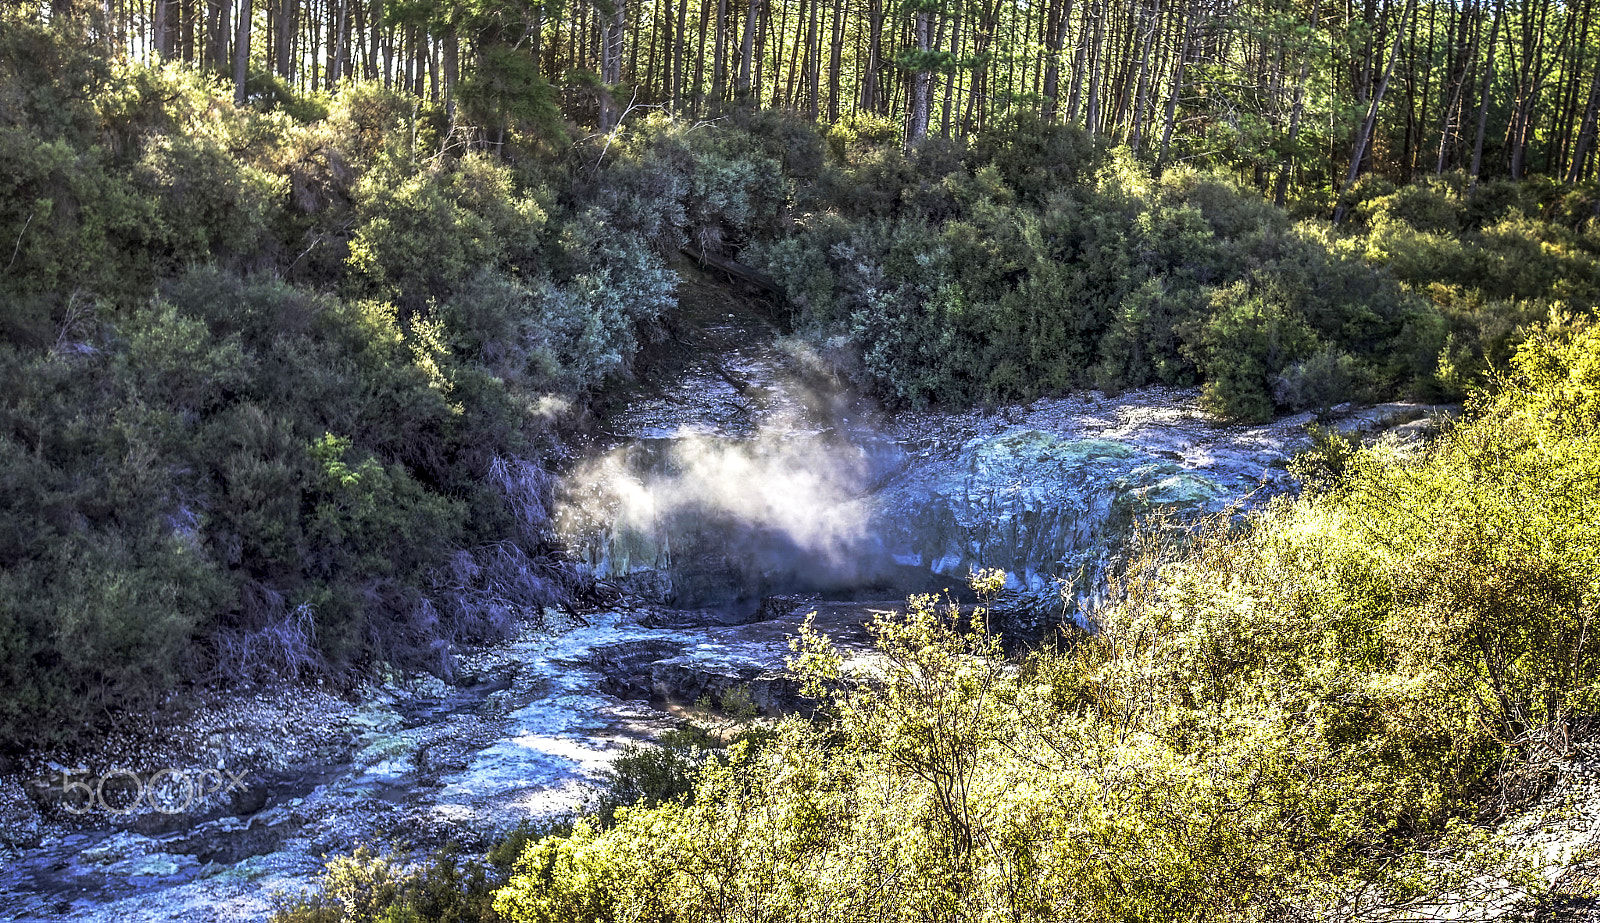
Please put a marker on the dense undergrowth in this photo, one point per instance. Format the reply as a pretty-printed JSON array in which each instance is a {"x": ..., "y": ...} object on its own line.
[
  {"x": 278, "y": 383},
  {"x": 1033, "y": 262},
  {"x": 1313, "y": 715}
]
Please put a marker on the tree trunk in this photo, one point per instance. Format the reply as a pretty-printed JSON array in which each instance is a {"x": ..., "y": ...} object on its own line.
[
  {"x": 1572, "y": 119},
  {"x": 1585, "y": 139},
  {"x": 386, "y": 37},
  {"x": 982, "y": 41},
  {"x": 1281, "y": 191},
  {"x": 1052, "y": 67},
  {"x": 162, "y": 26},
  {"x": 668, "y": 58},
  {"x": 1122, "y": 84},
  {"x": 1529, "y": 83},
  {"x": 216, "y": 44},
  {"x": 337, "y": 62},
  {"x": 650, "y": 53},
  {"x": 786, "y": 101},
  {"x": 814, "y": 62},
  {"x": 835, "y": 56},
  {"x": 1365, "y": 135},
  {"x": 611, "y": 62},
  {"x": 869, "y": 83},
  {"x": 1452, "y": 112},
  {"x": 1142, "y": 96},
  {"x": 921, "y": 81},
  {"x": 1483, "y": 99},
  {"x": 1079, "y": 57},
  {"x": 719, "y": 68},
  {"x": 288, "y": 11},
  {"x": 452, "y": 75},
  {"x": 241, "y": 52},
  {"x": 375, "y": 39},
  {"x": 953, "y": 80},
  {"x": 1091, "y": 119},
  {"x": 1177, "y": 87},
  {"x": 763, "y": 37},
  {"x": 746, "y": 52},
  {"x": 680, "y": 52},
  {"x": 535, "y": 43}
]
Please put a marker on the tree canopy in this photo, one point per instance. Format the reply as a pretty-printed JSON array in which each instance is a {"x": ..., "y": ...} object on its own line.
[{"x": 1301, "y": 97}]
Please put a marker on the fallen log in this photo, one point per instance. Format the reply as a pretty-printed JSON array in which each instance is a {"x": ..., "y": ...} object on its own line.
[{"x": 743, "y": 273}]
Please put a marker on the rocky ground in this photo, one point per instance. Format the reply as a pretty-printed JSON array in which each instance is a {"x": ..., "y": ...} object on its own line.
[
  {"x": 407, "y": 765},
  {"x": 1552, "y": 826},
  {"x": 411, "y": 766}
]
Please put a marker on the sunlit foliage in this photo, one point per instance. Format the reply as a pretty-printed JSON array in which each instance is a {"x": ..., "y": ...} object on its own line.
[{"x": 1300, "y": 715}]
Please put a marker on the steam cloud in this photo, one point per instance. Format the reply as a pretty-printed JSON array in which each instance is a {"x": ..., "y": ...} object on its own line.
[{"x": 767, "y": 514}]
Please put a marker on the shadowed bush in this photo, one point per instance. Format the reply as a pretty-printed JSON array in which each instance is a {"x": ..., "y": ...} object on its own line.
[{"x": 216, "y": 475}]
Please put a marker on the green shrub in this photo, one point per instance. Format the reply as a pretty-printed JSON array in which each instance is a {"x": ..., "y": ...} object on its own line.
[
  {"x": 966, "y": 285},
  {"x": 648, "y": 776},
  {"x": 423, "y": 235},
  {"x": 1250, "y": 338},
  {"x": 1036, "y": 158},
  {"x": 1318, "y": 382},
  {"x": 359, "y": 475},
  {"x": 96, "y": 624},
  {"x": 366, "y": 887}
]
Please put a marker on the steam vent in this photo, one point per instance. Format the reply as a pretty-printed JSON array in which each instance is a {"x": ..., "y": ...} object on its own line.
[{"x": 762, "y": 475}]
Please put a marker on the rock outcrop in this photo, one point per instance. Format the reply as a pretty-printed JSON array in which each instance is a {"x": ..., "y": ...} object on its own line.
[{"x": 1047, "y": 509}]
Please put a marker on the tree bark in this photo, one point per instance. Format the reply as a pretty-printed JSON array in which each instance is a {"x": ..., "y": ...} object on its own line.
[
  {"x": 452, "y": 74},
  {"x": 746, "y": 53},
  {"x": 288, "y": 11},
  {"x": 680, "y": 51},
  {"x": 953, "y": 80},
  {"x": 1365, "y": 135},
  {"x": 1177, "y": 87},
  {"x": 1483, "y": 99},
  {"x": 869, "y": 88},
  {"x": 719, "y": 79},
  {"x": 1281, "y": 190},
  {"x": 1141, "y": 97},
  {"x": 337, "y": 61},
  {"x": 1452, "y": 112},
  {"x": 835, "y": 54},
  {"x": 611, "y": 62},
  {"x": 1091, "y": 119},
  {"x": 1585, "y": 138},
  {"x": 1529, "y": 80},
  {"x": 1079, "y": 58},
  {"x": 162, "y": 25},
  {"x": 813, "y": 61},
  {"x": 1052, "y": 67},
  {"x": 921, "y": 81},
  {"x": 241, "y": 53},
  {"x": 216, "y": 44}
]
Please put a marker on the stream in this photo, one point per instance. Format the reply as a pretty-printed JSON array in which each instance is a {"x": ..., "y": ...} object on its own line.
[{"x": 734, "y": 488}]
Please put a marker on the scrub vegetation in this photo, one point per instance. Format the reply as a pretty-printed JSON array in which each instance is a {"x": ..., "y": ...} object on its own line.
[
  {"x": 1310, "y": 715},
  {"x": 282, "y": 378},
  {"x": 296, "y": 309}
]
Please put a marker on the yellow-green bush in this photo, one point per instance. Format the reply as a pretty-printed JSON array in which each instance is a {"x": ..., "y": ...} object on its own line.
[{"x": 1299, "y": 714}]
